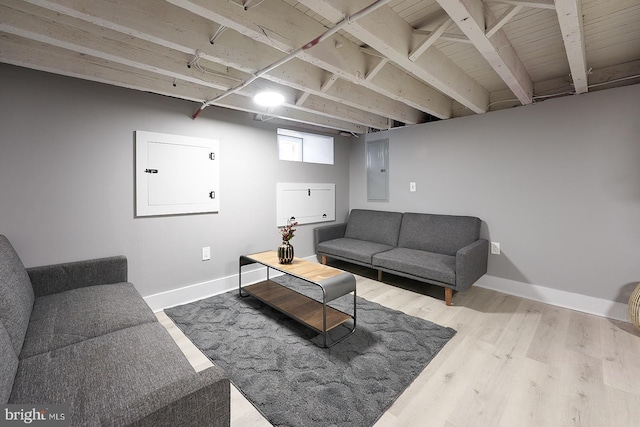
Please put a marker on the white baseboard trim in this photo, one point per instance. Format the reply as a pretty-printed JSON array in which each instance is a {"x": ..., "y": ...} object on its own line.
[
  {"x": 570, "y": 300},
  {"x": 586, "y": 304},
  {"x": 198, "y": 291},
  {"x": 191, "y": 293}
]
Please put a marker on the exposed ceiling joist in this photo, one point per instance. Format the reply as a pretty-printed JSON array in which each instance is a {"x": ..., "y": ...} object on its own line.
[
  {"x": 391, "y": 35},
  {"x": 239, "y": 52},
  {"x": 32, "y": 54},
  {"x": 402, "y": 64},
  {"x": 470, "y": 16},
  {"x": 337, "y": 55},
  {"x": 376, "y": 69},
  {"x": 110, "y": 45},
  {"x": 302, "y": 99},
  {"x": 326, "y": 85},
  {"x": 431, "y": 39},
  {"x": 107, "y": 44},
  {"x": 167, "y": 26},
  {"x": 503, "y": 19},
  {"x": 570, "y": 19}
]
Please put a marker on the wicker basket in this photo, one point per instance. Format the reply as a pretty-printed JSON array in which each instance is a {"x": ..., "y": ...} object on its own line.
[{"x": 634, "y": 307}]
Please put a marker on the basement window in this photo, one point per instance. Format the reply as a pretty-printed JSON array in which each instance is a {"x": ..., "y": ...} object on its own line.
[{"x": 304, "y": 147}]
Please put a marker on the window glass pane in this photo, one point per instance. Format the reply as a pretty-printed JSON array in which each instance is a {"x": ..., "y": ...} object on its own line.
[
  {"x": 305, "y": 147},
  {"x": 318, "y": 149},
  {"x": 289, "y": 148}
]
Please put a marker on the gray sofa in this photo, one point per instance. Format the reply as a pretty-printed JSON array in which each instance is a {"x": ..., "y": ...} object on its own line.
[
  {"x": 444, "y": 250},
  {"x": 78, "y": 334}
]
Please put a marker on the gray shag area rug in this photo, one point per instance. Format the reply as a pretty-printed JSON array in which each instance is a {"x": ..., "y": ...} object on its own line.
[{"x": 274, "y": 362}]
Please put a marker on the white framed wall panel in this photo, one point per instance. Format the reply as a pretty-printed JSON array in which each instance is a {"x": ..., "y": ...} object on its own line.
[
  {"x": 306, "y": 203},
  {"x": 176, "y": 174}
]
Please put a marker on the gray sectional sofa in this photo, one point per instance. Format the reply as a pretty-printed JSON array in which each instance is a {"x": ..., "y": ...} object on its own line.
[
  {"x": 78, "y": 334},
  {"x": 444, "y": 250}
]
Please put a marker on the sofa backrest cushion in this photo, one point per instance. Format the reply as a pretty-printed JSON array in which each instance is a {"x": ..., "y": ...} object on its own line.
[
  {"x": 443, "y": 234},
  {"x": 16, "y": 294},
  {"x": 8, "y": 365},
  {"x": 374, "y": 226}
]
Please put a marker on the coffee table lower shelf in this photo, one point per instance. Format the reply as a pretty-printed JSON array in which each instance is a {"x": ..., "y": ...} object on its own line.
[{"x": 297, "y": 306}]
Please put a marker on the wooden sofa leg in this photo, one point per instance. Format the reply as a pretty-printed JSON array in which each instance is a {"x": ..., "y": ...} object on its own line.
[
  {"x": 448, "y": 295},
  {"x": 379, "y": 275},
  {"x": 323, "y": 260}
]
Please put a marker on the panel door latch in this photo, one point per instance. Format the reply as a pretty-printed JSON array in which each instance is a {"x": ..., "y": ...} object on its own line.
[
  {"x": 151, "y": 171},
  {"x": 212, "y": 194}
]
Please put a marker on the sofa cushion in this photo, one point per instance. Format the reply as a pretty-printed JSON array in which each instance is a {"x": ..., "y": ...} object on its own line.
[
  {"x": 443, "y": 234},
  {"x": 422, "y": 264},
  {"x": 374, "y": 226},
  {"x": 352, "y": 249},
  {"x": 8, "y": 365},
  {"x": 52, "y": 279},
  {"x": 102, "y": 377},
  {"x": 16, "y": 294},
  {"x": 79, "y": 314}
]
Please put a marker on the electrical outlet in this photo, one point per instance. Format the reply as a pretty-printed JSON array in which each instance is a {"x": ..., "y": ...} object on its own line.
[
  {"x": 206, "y": 253},
  {"x": 412, "y": 186},
  {"x": 495, "y": 248}
]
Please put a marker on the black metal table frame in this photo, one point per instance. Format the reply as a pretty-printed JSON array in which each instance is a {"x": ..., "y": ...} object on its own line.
[{"x": 245, "y": 260}]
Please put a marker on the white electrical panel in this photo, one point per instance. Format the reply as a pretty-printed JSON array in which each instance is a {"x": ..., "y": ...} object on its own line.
[
  {"x": 305, "y": 203},
  {"x": 176, "y": 174}
]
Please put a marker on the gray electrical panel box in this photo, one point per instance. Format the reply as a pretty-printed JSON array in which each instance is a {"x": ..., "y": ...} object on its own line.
[{"x": 378, "y": 170}]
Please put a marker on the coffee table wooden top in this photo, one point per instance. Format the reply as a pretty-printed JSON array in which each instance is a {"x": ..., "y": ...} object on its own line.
[
  {"x": 313, "y": 313},
  {"x": 299, "y": 267}
]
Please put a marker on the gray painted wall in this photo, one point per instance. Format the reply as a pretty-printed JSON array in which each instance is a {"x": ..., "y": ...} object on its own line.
[
  {"x": 556, "y": 183},
  {"x": 67, "y": 181}
]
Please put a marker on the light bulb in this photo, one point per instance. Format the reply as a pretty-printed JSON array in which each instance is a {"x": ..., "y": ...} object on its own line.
[{"x": 268, "y": 99}]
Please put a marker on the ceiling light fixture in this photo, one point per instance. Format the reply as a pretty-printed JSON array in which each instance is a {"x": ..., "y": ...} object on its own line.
[{"x": 268, "y": 99}]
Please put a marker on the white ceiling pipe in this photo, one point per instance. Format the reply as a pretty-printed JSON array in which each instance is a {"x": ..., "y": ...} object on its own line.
[{"x": 340, "y": 25}]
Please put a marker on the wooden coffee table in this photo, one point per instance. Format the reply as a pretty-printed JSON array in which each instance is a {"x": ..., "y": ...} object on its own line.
[{"x": 314, "y": 314}]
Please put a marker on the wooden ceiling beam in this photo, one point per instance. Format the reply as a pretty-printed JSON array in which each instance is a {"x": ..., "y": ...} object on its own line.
[
  {"x": 570, "y": 19},
  {"x": 173, "y": 27},
  {"x": 471, "y": 17},
  {"x": 603, "y": 78},
  {"x": 108, "y": 45},
  {"x": 502, "y": 20},
  {"x": 391, "y": 35},
  {"x": 302, "y": 99},
  {"x": 40, "y": 56},
  {"x": 337, "y": 55},
  {"x": 113, "y": 46},
  {"x": 238, "y": 51},
  {"x": 430, "y": 40},
  {"x": 382, "y": 62}
]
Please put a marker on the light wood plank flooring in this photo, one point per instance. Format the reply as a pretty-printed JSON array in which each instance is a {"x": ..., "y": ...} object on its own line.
[{"x": 513, "y": 362}]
